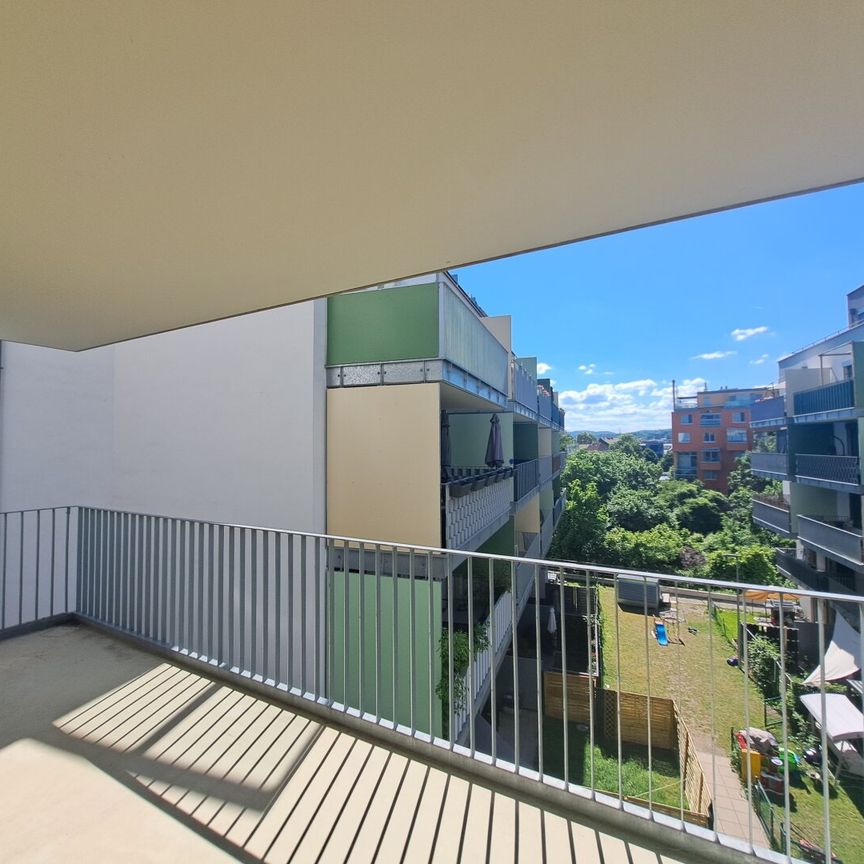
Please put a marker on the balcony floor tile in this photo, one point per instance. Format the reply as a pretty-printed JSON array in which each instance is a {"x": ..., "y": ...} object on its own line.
[{"x": 109, "y": 753}]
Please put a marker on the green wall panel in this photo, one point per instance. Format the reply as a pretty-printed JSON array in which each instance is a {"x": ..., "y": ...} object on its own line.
[
  {"x": 390, "y": 324},
  {"x": 363, "y": 653}
]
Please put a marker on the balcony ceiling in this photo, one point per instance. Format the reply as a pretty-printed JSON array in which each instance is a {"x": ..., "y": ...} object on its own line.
[{"x": 169, "y": 163}]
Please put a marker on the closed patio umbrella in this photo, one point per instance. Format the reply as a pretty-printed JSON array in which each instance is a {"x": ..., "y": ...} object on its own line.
[
  {"x": 445, "y": 445},
  {"x": 494, "y": 447}
]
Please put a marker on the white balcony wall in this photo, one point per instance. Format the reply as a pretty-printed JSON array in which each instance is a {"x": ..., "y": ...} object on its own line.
[{"x": 224, "y": 421}]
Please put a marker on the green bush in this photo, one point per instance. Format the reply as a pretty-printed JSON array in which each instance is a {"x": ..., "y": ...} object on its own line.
[{"x": 461, "y": 657}]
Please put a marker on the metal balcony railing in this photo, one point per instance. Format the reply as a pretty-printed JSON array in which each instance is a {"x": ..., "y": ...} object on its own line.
[
  {"x": 557, "y": 510},
  {"x": 544, "y": 469},
  {"x": 838, "y": 540},
  {"x": 832, "y": 469},
  {"x": 828, "y": 397},
  {"x": 544, "y": 405},
  {"x": 524, "y": 386},
  {"x": 768, "y": 412},
  {"x": 772, "y": 514},
  {"x": 773, "y": 464},
  {"x": 524, "y": 479},
  {"x": 350, "y": 631}
]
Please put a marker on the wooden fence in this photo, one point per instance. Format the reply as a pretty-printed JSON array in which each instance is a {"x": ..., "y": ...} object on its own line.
[{"x": 668, "y": 730}]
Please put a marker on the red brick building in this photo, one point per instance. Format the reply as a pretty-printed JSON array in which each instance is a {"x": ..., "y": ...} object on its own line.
[{"x": 710, "y": 431}]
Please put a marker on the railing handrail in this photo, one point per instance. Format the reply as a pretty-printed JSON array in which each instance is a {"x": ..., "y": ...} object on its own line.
[
  {"x": 829, "y": 456},
  {"x": 820, "y": 520},
  {"x": 575, "y": 566}
]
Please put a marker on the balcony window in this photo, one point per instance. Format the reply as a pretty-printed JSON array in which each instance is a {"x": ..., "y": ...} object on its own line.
[
  {"x": 709, "y": 420},
  {"x": 683, "y": 437},
  {"x": 736, "y": 436},
  {"x": 739, "y": 417},
  {"x": 712, "y": 455},
  {"x": 686, "y": 419},
  {"x": 709, "y": 437}
]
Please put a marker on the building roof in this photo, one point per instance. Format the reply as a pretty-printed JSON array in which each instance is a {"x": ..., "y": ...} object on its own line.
[{"x": 164, "y": 165}]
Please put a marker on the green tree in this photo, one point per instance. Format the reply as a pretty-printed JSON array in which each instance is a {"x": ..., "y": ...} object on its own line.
[
  {"x": 635, "y": 509},
  {"x": 629, "y": 444},
  {"x": 754, "y": 564},
  {"x": 579, "y": 536},
  {"x": 658, "y": 549},
  {"x": 702, "y": 514},
  {"x": 586, "y": 438}
]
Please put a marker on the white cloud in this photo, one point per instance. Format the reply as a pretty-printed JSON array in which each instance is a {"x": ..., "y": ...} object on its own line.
[
  {"x": 543, "y": 368},
  {"x": 739, "y": 334},
  {"x": 628, "y": 405},
  {"x": 713, "y": 355},
  {"x": 759, "y": 360},
  {"x": 588, "y": 369}
]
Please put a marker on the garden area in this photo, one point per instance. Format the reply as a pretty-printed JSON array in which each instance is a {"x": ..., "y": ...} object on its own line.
[{"x": 694, "y": 673}]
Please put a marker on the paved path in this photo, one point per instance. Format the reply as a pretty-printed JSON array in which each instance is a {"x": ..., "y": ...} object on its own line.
[{"x": 732, "y": 813}]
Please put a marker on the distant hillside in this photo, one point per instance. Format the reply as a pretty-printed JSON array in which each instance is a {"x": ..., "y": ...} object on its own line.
[{"x": 645, "y": 434}]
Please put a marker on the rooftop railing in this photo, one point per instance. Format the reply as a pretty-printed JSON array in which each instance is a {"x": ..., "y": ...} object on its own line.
[{"x": 352, "y": 630}]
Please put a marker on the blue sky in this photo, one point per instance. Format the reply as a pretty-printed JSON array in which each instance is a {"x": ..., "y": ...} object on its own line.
[{"x": 716, "y": 298}]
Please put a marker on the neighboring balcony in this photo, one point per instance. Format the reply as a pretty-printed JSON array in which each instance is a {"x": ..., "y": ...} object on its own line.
[
  {"x": 774, "y": 466},
  {"x": 772, "y": 514},
  {"x": 414, "y": 334},
  {"x": 524, "y": 479},
  {"x": 768, "y": 413},
  {"x": 838, "y": 540},
  {"x": 524, "y": 388},
  {"x": 828, "y": 471},
  {"x": 558, "y": 462},
  {"x": 544, "y": 469},
  {"x": 821, "y": 403},
  {"x": 475, "y": 507},
  {"x": 545, "y": 406}
]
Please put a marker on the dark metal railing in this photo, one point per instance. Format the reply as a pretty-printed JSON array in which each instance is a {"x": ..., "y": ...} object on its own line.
[
  {"x": 768, "y": 411},
  {"x": 834, "y": 469},
  {"x": 770, "y": 463},
  {"x": 828, "y": 397},
  {"x": 525, "y": 478}
]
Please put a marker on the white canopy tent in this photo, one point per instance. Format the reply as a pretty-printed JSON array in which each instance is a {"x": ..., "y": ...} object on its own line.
[
  {"x": 843, "y": 656},
  {"x": 844, "y": 721}
]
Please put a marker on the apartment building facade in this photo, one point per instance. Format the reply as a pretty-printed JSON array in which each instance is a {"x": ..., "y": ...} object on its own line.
[
  {"x": 328, "y": 417},
  {"x": 810, "y": 438},
  {"x": 710, "y": 431}
]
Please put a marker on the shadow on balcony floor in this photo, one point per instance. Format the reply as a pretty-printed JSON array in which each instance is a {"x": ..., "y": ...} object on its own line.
[{"x": 110, "y": 754}]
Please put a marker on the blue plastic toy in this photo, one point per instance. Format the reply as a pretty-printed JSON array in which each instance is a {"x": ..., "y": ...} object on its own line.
[{"x": 660, "y": 633}]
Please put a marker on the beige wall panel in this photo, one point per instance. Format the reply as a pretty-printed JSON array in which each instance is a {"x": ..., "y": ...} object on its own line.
[{"x": 383, "y": 463}]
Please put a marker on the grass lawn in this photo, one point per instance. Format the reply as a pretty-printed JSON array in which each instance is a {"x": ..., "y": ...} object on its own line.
[
  {"x": 697, "y": 676},
  {"x": 634, "y": 774}
]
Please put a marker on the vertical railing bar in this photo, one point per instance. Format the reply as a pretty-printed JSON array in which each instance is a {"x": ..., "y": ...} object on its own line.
[
  {"x": 678, "y": 645},
  {"x": 346, "y": 605},
  {"x": 361, "y": 654},
  {"x": 181, "y": 587},
  {"x": 38, "y": 574},
  {"x": 277, "y": 564},
  {"x": 304, "y": 575},
  {"x": 212, "y": 591},
  {"x": 265, "y": 606},
  {"x": 319, "y": 646},
  {"x": 53, "y": 557},
  {"x": 514, "y": 645},
  {"x": 471, "y": 655},
  {"x": 746, "y": 659},
  {"x": 412, "y": 603},
  {"x": 823, "y": 737},
  {"x": 241, "y": 622},
  {"x": 292, "y": 608},
  {"x": 174, "y": 595},
  {"x": 21, "y": 573},
  {"x": 330, "y": 601},
  {"x": 233, "y": 604},
  {"x": 648, "y": 696},
  {"x": 222, "y": 654},
  {"x": 590, "y": 635},
  {"x": 141, "y": 612},
  {"x": 378, "y": 645},
  {"x": 787, "y": 845},
  {"x": 200, "y": 642},
  {"x": 253, "y": 604},
  {"x": 565, "y": 686},
  {"x": 713, "y": 697},
  {"x": 81, "y": 529},
  {"x": 124, "y": 575},
  {"x": 430, "y": 594},
  {"x": 162, "y": 547},
  {"x": 451, "y": 714},
  {"x": 538, "y": 663},
  {"x": 394, "y": 635},
  {"x": 618, "y": 735}
]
